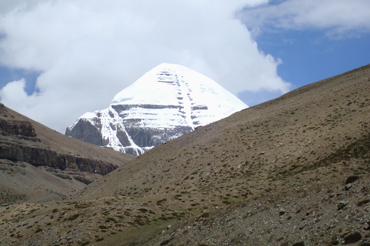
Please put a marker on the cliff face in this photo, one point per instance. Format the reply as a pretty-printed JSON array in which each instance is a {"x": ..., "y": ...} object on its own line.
[
  {"x": 133, "y": 138},
  {"x": 33, "y": 156},
  {"x": 17, "y": 144},
  {"x": 17, "y": 128},
  {"x": 144, "y": 136},
  {"x": 46, "y": 157},
  {"x": 87, "y": 132}
]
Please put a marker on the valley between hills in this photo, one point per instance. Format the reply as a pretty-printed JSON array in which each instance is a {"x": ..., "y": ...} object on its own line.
[{"x": 291, "y": 171}]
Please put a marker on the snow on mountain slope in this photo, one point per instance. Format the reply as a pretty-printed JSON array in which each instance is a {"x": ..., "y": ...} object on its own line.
[{"x": 166, "y": 102}]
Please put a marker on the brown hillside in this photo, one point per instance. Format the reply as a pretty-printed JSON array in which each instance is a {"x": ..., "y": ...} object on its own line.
[
  {"x": 39, "y": 161},
  {"x": 255, "y": 149},
  {"x": 291, "y": 171}
]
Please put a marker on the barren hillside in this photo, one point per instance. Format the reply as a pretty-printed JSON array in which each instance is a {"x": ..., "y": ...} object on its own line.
[
  {"x": 39, "y": 164},
  {"x": 291, "y": 171}
]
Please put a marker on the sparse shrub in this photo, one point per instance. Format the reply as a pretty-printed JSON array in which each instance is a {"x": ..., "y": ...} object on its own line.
[
  {"x": 73, "y": 217},
  {"x": 81, "y": 205},
  {"x": 83, "y": 243},
  {"x": 99, "y": 239},
  {"x": 165, "y": 242},
  {"x": 110, "y": 219},
  {"x": 163, "y": 217},
  {"x": 204, "y": 215},
  {"x": 159, "y": 202},
  {"x": 298, "y": 244},
  {"x": 361, "y": 203},
  {"x": 139, "y": 222}
]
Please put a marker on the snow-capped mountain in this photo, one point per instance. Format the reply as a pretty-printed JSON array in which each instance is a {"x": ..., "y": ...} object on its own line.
[{"x": 166, "y": 102}]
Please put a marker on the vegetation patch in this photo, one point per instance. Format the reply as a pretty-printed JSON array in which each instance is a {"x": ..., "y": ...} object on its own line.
[
  {"x": 73, "y": 217},
  {"x": 82, "y": 205},
  {"x": 159, "y": 202},
  {"x": 99, "y": 239},
  {"x": 204, "y": 215},
  {"x": 84, "y": 243},
  {"x": 166, "y": 242},
  {"x": 298, "y": 244},
  {"x": 361, "y": 203},
  {"x": 359, "y": 149}
]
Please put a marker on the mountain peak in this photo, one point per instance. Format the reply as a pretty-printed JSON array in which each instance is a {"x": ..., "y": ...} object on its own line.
[{"x": 163, "y": 104}]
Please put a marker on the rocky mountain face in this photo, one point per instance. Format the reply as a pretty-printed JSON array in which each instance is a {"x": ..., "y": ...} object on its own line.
[
  {"x": 165, "y": 103},
  {"x": 27, "y": 147},
  {"x": 291, "y": 171}
]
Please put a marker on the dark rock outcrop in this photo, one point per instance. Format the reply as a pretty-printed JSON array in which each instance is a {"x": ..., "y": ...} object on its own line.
[
  {"x": 14, "y": 127},
  {"x": 152, "y": 137},
  {"x": 20, "y": 142},
  {"x": 85, "y": 131},
  {"x": 46, "y": 157}
]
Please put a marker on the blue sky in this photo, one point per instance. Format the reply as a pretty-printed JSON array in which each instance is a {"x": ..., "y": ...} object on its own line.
[
  {"x": 60, "y": 59},
  {"x": 310, "y": 56},
  {"x": 12, "y": 74}
]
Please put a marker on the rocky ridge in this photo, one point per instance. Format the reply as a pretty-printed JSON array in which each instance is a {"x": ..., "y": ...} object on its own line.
[{"x": 25, "y": 144}]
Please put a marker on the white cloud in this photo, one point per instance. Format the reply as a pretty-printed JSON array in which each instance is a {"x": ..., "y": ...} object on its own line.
[
  {"x": 13, "y": 93},
  {"x": 89, "y": 50},
  {"x": 338, "y": 18},
  {"x": 14, "y": 5}
]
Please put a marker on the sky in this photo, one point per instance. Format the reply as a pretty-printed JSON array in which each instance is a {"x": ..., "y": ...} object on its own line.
[{"x": 62, "y": 58}]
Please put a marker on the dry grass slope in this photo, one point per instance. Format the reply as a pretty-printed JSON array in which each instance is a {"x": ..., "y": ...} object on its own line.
[
  {"x": 39, "y": 164},
  {"x": 291, "y": 171}
]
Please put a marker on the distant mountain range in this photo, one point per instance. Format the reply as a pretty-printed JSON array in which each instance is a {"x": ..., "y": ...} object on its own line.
[{"x": 167, "y": 102}]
